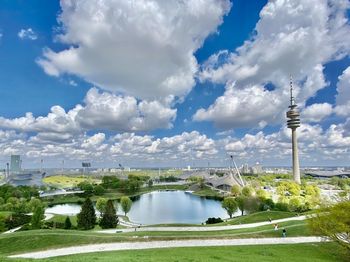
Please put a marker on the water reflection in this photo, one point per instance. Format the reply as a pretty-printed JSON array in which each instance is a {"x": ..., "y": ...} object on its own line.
[{"x": 162, "y": 207}]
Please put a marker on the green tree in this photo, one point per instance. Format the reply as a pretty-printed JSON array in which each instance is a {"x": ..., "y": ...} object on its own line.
[
  {"x": 67, "y": 223},
  {"x": 126, "y": 203},
  {"x": 262, "y": 194},
  {"x": 247, "y": 191},
  {"x": 38, "y": 216},
  {"x": 86, "y": 187},
  {"x": 286, "y": 188},
  {"x": 101, "y": 205},
  {"x": 312, "y": 190},
  {"x": 99, "y": 190},
  {"x": 294, "y": 204},
  {"x": 230, "y": 205},
  {"x": 34, "y": 203},
  {"x": 236, "y": 190},
  {"x": 86, "y": 219},
  {"x": 109, "y": 218},
  {"x": 240, "y": 203},
  {"x": 334, "y": 222}
]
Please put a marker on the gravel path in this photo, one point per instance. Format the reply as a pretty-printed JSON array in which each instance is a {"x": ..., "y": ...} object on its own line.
[
  {"x": 165, "y": 244},
  {"x": 204, "y": 228}
]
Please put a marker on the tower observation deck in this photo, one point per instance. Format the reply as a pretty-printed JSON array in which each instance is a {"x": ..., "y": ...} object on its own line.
[{"x": 293, "y": 123}]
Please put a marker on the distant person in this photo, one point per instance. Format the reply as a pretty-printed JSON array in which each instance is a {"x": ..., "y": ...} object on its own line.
[
  {"x": 270, "y": 220},
  {"x": 276, "y": 227},
  {"x": 284, "y": 232}
]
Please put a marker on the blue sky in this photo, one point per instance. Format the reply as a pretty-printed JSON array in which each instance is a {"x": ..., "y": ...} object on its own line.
[{"x": 169, "y": 84}]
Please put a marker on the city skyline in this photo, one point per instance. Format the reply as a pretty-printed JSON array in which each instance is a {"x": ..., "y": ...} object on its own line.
[{"x": 174, "y": 84}]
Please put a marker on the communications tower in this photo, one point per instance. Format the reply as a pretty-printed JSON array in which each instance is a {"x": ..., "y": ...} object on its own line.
[{"x": 293, "y": 123}]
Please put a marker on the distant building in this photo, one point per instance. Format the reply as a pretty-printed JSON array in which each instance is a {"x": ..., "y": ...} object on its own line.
[
  {"x": 16, "y": 162},
  {"x": 328, "y": 173},
  {"x": 257, "y": 169},
  {"x": 245, "y": 169}
]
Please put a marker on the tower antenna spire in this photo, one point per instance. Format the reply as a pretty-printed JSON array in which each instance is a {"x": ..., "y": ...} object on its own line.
[{"x": 292, "y": 102}]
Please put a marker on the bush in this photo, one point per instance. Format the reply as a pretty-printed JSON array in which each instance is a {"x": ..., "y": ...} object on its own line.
[
  {"x": 213, "y": 220},
  {"x": 16, "y": 220},
  {"x": 281, "y": 207},
  {"x": 53, "y": 224},
  {"x": 67, "y": 223}
]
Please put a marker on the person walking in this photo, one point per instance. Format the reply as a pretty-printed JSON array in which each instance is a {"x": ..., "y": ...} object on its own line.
[
  {"x": 284, "y": 232},
  {"x": 276, "y": 227}
]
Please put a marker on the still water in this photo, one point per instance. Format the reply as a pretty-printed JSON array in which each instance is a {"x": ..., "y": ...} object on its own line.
[{"x": 162, "y": 207}]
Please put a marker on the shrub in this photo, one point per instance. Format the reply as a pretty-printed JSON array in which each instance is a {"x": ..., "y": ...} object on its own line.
[
  {"x": 67, "y": 223},
  {"x": 16, "y": 220},
  {"x": 281, "y": 206},
  {"x": 213, "y": 220}
]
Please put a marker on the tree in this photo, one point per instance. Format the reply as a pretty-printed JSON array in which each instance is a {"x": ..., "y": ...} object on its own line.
[
  {"x": 86, "y": 187},
  {"x": 34, "y": 203},
  {"x": 312, "y": 190},
  {"x": 294, "y": 204},
  {"x": 334, "y": 222},
  {"x": 99, "y": 190},
  {"x": 126, "y": 203},
  {"x": 101, "y": 205},
  {"x": 240, "y": 203},
  {"x": 110, "y": 218},
  {"x": 86, "y": 218},
  {"x": 67, "y": 223},
  {"x": 236, "y": 190},
  {"x": 247, "y": 191},
  {"x": 288, "y": 189},
  {"x": 262, "y": 194},
  {"x": 230, "y": 205},
  {"x": 38, "y": 216}
]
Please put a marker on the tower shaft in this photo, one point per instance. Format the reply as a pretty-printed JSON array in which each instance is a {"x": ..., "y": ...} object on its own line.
[{"x": 296, "y": 168}]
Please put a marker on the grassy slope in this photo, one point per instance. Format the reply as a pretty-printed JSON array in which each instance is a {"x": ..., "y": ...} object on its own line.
[
  {"x": 45, "y": 239},
  {"x": 320, "y": 252},
  {"x": 258, "y": 217}
]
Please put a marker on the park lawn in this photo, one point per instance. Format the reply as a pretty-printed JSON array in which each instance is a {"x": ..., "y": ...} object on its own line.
[
  {"x": 68, "y": 181},
  {"x": 262, "y": 216},
  {"x": 35, "y": 240},
  {"x": 207, "y": 192},
  {"x": 316, "y": 252},
  {"x": 294, "y": 229},
  {"x": 62, "y": 219}
]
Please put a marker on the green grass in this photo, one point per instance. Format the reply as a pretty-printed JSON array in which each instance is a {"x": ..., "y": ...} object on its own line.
[
  {"x": 62, "y": 219},
  {"x": 258, "y": 217},
  {"x": 317, "y": 252},
  {"x": 45, "y": 239},
  {"x": 207, "y": 192}
]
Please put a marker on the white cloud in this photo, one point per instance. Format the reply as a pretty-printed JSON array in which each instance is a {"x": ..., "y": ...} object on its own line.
[
  {"x": 27, "y": 34},
  {"x": 101, "y": 111},
  {"x": 343, "y": 97},
  {"x": 292, "y": 37},
  {"x": 143, "y": 48},
  {"x": 247, "y": 107},
  {"x": 118, "y": 113},
  {"x": 316, "y": 112}
]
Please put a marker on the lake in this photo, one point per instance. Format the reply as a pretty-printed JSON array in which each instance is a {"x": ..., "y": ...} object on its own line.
[{"x": 162, "y": 207}]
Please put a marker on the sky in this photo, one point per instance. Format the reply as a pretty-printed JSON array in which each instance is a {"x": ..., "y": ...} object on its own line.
[{"x": 153, "y": 83}]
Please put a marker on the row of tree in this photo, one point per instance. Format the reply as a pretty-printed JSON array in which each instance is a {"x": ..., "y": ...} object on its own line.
[{"x": 87, "y": 218}]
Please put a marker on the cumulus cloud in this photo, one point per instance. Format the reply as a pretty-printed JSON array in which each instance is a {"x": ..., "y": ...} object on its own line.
[
  {"x": 292, "y": 37},
  {"x": 28, "y": 34},
  {"x": 118, "y": 113},
  {"x": 247, "y": 107},
  {"x": 142, "y": 48},
  {"x": 343, "y": 97},
  {"x": 102, "y": 111},
  {"x": 316, "y": 112}
]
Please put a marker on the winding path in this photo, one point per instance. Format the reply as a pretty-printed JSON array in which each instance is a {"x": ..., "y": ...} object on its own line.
[
  {"x": 165, "y": 244},
  {"x": 205, "y": 228}
]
